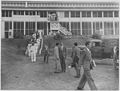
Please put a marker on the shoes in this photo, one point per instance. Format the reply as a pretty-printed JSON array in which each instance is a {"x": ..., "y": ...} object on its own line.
[
  {"x": 77, "y": 76},
  {"x": 79, "y": 88},
  {"x": 63, "y": 71},
  {"x": 56, "y": 72}
]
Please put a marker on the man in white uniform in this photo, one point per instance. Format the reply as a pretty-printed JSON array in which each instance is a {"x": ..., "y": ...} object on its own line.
[{"x": 33, "y": 52}]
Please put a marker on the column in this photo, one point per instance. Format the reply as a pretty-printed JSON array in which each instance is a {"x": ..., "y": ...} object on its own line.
[
  {"x": 81, "y": 22},
  {"x": 35, "y": 25},
  {"x": 47, "y": 24},
  {"x": 70, "y": 26},
  {"x": 103, "y": 27},
  {"x": 24, "y": 27},
  {"x": 103, "y": 23},
  {"x": 69, "y": 21},
  {"x": 91, "y": 23},
  {"x": 113, "y": 24},
  {"x": 113, "y": 28},
  {"x": 12, "y": 29},
  {"x": 92, "y": 27}
]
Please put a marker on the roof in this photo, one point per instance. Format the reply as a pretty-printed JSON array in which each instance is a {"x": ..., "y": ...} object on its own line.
[{"x": 95, "y": 40}]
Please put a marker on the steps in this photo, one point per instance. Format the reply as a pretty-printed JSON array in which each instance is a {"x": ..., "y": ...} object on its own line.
[{"x": 64, "y": 30}]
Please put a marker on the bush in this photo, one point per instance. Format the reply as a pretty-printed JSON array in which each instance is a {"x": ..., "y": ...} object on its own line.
[
  {"x": 96, "y": 36},
  {"x": 18, "y": 35},
  {"x": 58, "y": 36}
]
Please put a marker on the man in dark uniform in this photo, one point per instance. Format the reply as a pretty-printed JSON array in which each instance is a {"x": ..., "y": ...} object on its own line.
[
  {"x": 62, "y": 56},
  {"x": 75, "y": 57}
]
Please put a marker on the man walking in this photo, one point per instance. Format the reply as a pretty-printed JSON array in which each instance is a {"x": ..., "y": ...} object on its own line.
[
  {"x": 75, "y": 57},
  {"x": 86, "y": 61},
  {"x": 62, "y": 55}
]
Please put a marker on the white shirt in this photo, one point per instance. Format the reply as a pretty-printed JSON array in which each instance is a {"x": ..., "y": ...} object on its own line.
[{"x": 33, "y": 49}]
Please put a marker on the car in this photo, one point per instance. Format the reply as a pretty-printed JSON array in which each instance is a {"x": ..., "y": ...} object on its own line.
[{"x": 99, "y": 50}]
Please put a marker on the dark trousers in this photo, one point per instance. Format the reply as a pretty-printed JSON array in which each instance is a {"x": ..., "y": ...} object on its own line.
[
  {"x": 87, "y": 77},
  {"x": 77, "y": 70},
  {"x": 75, "y": 63},
  {"x": 63, "y": 65},
  {"x": 46, "y": 58}
]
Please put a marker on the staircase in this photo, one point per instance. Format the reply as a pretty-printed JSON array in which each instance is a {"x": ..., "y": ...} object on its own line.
[{"x": 64, "y": 31}]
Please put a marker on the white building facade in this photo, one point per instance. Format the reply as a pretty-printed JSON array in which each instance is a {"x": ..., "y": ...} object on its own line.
[{"x": 81, "y": 18}]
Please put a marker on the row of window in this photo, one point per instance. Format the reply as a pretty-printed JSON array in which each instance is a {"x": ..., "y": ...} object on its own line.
[
  {"x": 8, "y": 13},
  {"x": 77, "y": 28}
]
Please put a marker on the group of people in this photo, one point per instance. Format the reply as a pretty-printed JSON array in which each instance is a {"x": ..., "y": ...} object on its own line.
[
  {"x": 60, "y": 57},
  {"x": 81, "y": 58},
  {"x": 33, "y": 47}
]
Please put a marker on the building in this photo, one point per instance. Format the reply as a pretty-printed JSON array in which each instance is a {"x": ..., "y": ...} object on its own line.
[{"x": 81, "y": 18}]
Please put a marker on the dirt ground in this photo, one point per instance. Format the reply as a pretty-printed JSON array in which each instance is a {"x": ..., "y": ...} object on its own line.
[
  {"x": 19, "y": 73},
  {"x": 25, "y": 75}
]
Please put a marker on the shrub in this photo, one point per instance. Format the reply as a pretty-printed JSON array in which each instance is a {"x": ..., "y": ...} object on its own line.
[
  {"x": 96, "y": 36},
  {"x": 18, "y": 35},
  {"x": 58, "y": 36}
]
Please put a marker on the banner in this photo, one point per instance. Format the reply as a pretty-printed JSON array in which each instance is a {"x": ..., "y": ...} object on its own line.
[{"x": 54, "y": 26}]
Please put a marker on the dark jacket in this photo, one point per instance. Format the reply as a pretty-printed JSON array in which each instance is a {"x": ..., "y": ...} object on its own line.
[
  {"x": 85, "y": 59},
  {"x": 62, "y": 52},
  {"x": 75, "y": 54}
]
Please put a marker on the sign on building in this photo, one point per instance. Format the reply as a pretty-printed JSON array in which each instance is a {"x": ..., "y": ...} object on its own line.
[
  {"x": 54, "y": 26},
  {"x": 52, "y": 17}
]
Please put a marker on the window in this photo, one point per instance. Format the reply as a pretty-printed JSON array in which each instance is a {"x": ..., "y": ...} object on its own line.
[
  {"x": 6, "y": 13},
  {"x": 97, "y": 44},
  {"x": 116, "y": 28},
  {"x": 29, "y": 12},
  {"x": 116, "y": 13},
  {"x": 65, "y": 25},
  {"x": 66, "y": 13},
  {"x": 108, "y": 28},
  {"x": 18, "y": 29},
  {"x": 52, "y": 16},
  {"x": 8, "y": 26},
  {"x": 97, "y": 13},
  {"x": 43, "y": 14},
  {"x": 72, "y": 13},
  {"x": 108, "y": 14},
  {"x": 97, "y": 28},
  {"x": 86, "y": 28},
  {"x": 18, "y": 12},
  {"x": 3, "y": 13},
  {"x": 30, "y": 28},
  {"x": 75, "y": 28},
  {"x": 42, "y": 26},
  {"x": 75, "y": 13},
  {"x": 86, "y": 13}
]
